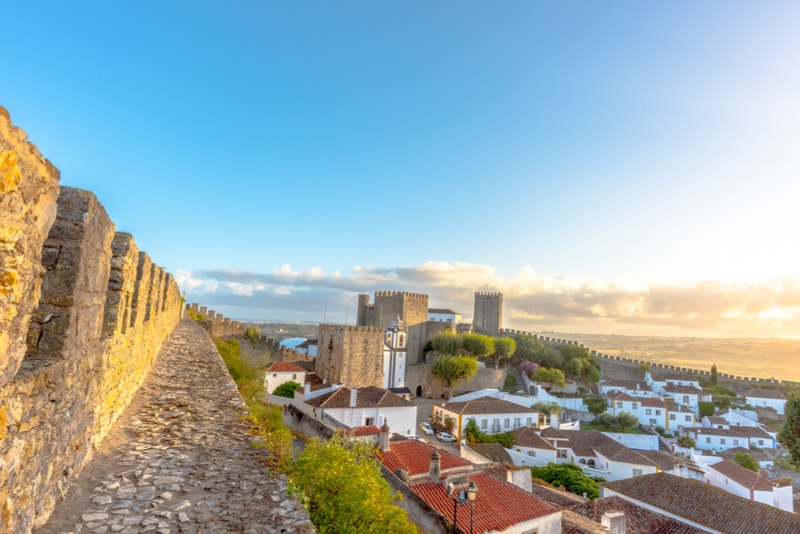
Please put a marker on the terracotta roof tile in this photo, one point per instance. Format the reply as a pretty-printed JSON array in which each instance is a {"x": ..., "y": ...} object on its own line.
[
  {"x": 527, "y": 437},
  {"x": 735, "y": 431},
  {"x": 284, "y": 367},
  {"x": 572, "y": 523},
  {"x": 743, "y": 476},
  {"x": 685, "y": 390},
  {"x": 711, "y": 507},
  {"x": 366, "y": 397},
  {"x": 638, "y": 520},
  {"x": 366, "y": 430},
  {"x": 582, "y": 441},
  {"x": 415, "y": 457},
  {"x": 498, "y": 506},
  {"x": 493, "y": 452},
  {"x": 485, "y": 405},
  {"x": 763, "y": 394}
]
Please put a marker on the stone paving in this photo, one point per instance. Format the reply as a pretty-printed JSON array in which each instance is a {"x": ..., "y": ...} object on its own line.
[{"x": 179, "y": 459}]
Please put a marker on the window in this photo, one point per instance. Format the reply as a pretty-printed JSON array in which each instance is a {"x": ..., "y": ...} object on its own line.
[
  {"x": 369, "y": 421},
  {"x": 506, "y": 422},
  {"x": 722, "y": 441},
  {"x": 653, "y": 422},
  {"x": 761, "y": 442},
  {"x": 529, "y": 421},
  {"x": 495, "y": 425},
  {"x": 562, "y": 453},
  {"x": 708, "y": 439},
  {"x": 686, "y": 399},
  {"x": 635, "y": 406},
  {"x": 637, "y": 472},
  {"x": 648, "y": 412},
  {"x": 517, "y": 422},
  {"x": 619, "y": 404},
  {"x": 484, "y": 424},
  {"x": 672, "y": 417},
  {"x": 735, "y": 441},
  {"x": 531, "y": 453},
  {"x": 294, "y": 376},
  {"x": 688, "y": 418},
  {"x": 658, "y": 412}
]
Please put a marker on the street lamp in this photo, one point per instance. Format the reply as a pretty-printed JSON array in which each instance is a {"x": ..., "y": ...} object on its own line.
[
  {"x": 460, "y": 497},
  {"x": 472, "y": 492}
]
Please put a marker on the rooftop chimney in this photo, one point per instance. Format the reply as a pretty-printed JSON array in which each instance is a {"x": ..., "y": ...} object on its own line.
[
  {"x": 353, "y": 397},
  {"x": 614, "y": 520},
  {"x": 436, "y": 466},
  {"x": 383, "y": 437}
]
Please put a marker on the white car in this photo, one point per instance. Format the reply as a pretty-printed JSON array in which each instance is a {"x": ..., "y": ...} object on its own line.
[
  {"x": 445, "y": 436},
  {"x": 426, "y": 428}
]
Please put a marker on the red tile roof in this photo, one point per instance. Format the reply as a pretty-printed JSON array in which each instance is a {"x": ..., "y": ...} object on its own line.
[
  {"x": 284, "y": 367},
  {"x": 498, "y": 505},
  {"x": 527, "y": 437},
  {"x": 763, "y": 394},
  {"x": 366, "y": 397},
  {"x": 366, "y": 430},
  {"x": 742, "y": 476},
  {"x": 415, "y": 457},
  {"x": 484, "y": 405},
  {"x": 703, "y": 504},
  {"x": 638, "y": 520}
]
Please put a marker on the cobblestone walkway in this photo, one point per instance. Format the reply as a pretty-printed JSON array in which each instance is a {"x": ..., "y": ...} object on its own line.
[{"x": 179, "y": 459}]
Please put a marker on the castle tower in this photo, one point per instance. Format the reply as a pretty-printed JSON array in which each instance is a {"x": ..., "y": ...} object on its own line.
[
  {"x": 488, "y": 316},
  {"x": 395, "y": 355},
  {"x": 411, "y": 308}
]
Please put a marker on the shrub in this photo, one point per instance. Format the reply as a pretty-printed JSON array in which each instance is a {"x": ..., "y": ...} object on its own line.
[
  {"x": 287, "y": 389},
  {"x": 687, "y": 442},
  {"x": 568, "y": 476}
]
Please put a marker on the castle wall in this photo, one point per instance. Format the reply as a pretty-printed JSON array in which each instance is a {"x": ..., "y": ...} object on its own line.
[
  {"x": 28, "y": 192},
  {"x": 412, "y": 308},
  {"x": 350, "y": 355},
  {"x": 87, "y": 315},
  {"x": 488, "y": 313}
]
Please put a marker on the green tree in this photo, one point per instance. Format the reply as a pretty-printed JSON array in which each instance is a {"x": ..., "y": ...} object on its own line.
[
  {"x": 551, "y": 357},
  {"x": 627, "y": 420},
  {"x": 253, "y": 334},
  {"x": 593, "y": 375},
  {"x": 789, "y": 436},
  {"x": 596, "y": 405},
  {"x": 528, "y": 347},
  {"x": 340, "y": 484},
  {"x": 642, "y": 368},
  {"x": 551, "y": 376},
  {"x": 446, "y": 343},
  {"x": 454, "y": 369},
  {"x": 714, "y": 374},
  {"x": 746, "y": 461},
  {"x": 568, "y": 476},
  {"x": 504, "y": 348},
  {"x": 287, "y": 389},
  {"x": 478, "y": 345},
  {"x": 687, "y": 442}
]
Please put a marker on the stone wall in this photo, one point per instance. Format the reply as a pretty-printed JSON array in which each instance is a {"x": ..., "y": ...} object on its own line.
[
  {"x": 350, "y": 355},
  {"x": 216, "y": 324},
  {"x": 411, "y": 308},
  {"x": 83, "y": 314}
]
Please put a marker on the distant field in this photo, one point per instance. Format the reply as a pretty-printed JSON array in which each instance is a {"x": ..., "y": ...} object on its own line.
[{"x": 759, "y": 358}]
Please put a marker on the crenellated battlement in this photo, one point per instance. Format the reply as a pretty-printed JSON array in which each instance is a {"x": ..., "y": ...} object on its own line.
[
  {"x": 328, "y": 327},
  {"x": 403, "y": 294}
]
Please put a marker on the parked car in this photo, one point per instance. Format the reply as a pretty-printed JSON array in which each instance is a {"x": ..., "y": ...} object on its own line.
[
  {"x": 426, "y": 428},
  {"x": 445, "y": 436}
]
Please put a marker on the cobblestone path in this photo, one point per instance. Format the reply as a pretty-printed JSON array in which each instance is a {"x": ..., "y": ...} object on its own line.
[{"x": 179, "y": 460}]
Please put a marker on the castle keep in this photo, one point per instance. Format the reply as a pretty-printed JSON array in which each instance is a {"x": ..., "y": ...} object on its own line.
[
  {"x": 83, "y": 314},
  {"x": 488, "y": 316}
]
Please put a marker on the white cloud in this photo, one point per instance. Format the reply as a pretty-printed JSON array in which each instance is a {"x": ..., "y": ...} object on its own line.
[{"x": 531, "y": 301}]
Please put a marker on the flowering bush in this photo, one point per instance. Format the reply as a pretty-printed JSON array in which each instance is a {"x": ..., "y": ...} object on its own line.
[{"x": 528, "y": 367}]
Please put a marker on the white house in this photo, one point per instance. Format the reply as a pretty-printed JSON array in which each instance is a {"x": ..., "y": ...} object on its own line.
[
  {"x": 532, "y": 448},
  {"x": 444, "y": 315},
  {"x": 720, "y": 439},
  {"x": 493, "y": 416},
  {"x": 364, "y": 407},
  {"x": 648, "y": 410},
  {"x": 279, "y": 373},
  {"x": 634, "y": 388},
  {"x": 659, "y": 380},
  {"x": 679, "y": 417},
  {"x": 735, "y": 479},
  {"x": 765, "y": 398},
  {"x": 689, "y": 396},
  {"x": 597, "y": 454}
]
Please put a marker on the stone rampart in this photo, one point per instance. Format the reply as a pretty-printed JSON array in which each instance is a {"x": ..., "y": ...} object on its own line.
[
  {"x": 216, "y": 324},
  {"x": 83, "y": 314}
]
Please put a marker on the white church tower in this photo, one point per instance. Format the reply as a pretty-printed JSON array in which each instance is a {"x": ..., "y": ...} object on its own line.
[{"x": 395, "y": 355}]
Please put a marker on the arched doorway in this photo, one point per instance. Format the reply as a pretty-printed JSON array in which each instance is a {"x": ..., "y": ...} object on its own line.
[{"x": 418, "y": 391}]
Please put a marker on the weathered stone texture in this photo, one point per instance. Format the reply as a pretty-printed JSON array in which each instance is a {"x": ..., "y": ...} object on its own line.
[
  {"x": 70, "y": 356},
  {"x": 351, "y": 355},
  {"x": 28, "y": 191}
]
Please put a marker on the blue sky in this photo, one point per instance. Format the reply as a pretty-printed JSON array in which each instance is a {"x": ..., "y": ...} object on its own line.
[{"x": 619, "y": 167}]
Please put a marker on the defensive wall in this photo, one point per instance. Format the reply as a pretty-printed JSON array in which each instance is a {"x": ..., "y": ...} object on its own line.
[
  {"x": 653, "y": 365},
  {"x": 216, "y": 324},
  {"x": 83, "y": 314}
]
